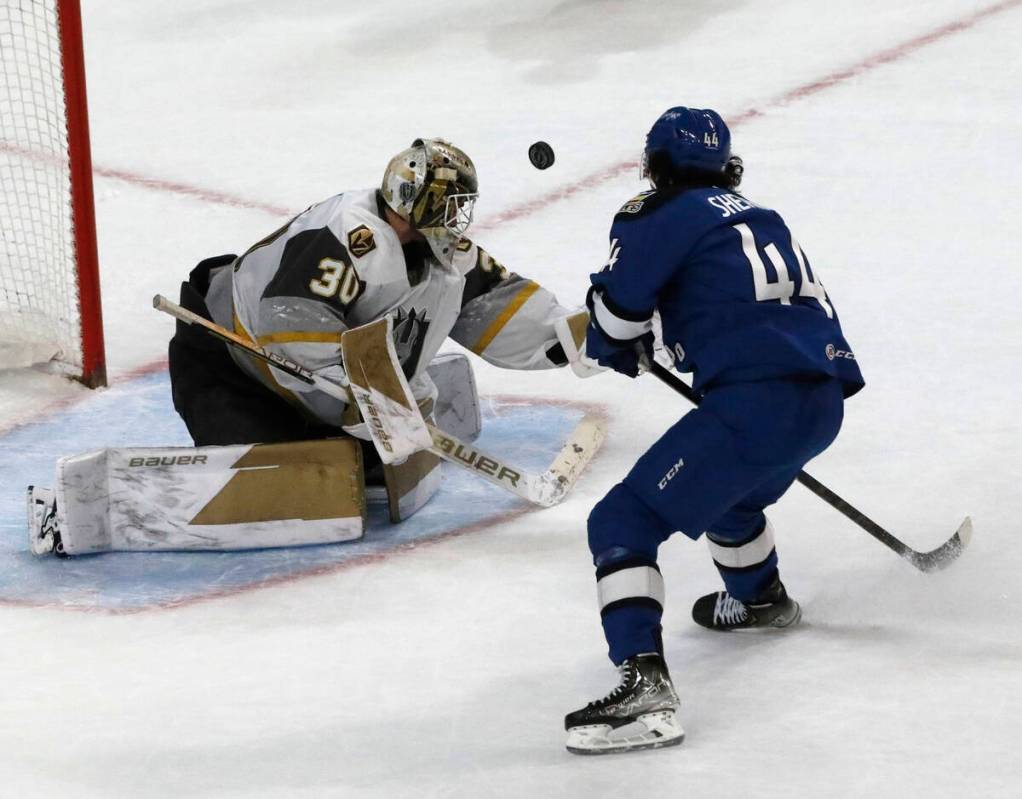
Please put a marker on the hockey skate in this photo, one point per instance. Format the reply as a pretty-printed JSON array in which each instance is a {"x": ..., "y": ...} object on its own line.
[
  {"x": 721, "y": 611},
  {"x": 641, "y": 713},
  {"x": 43, "y": 532}
]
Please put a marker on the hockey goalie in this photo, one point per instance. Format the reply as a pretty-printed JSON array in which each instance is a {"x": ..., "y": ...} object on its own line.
[{"x": 277, "y": 460}]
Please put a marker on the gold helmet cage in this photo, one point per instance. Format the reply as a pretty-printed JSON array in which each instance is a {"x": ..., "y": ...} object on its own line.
[{"x": 432, "y": 185}]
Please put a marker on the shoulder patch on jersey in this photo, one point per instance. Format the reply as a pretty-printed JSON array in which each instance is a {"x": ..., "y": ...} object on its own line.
[
  {"x": 634, "y": 205},
  {"x": 361, "y": 241},
  {"x": 464, "y": 245},
  {"x": 644, "y": 204}
]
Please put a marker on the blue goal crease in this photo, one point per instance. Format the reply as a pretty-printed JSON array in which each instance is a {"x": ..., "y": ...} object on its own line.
[{"x": 139, "y": 413}]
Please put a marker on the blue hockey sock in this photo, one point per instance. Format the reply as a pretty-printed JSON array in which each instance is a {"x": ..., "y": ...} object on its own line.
[
  {"x": 748, "y": 566},
  {"x": 631, "y": 594}
]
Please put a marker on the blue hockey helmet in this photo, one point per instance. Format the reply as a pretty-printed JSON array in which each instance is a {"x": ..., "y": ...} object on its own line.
[{"x": 691, "y": 138}]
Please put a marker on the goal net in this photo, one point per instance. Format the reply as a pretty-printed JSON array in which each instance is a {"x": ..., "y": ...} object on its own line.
[{"x": 49, "y": 292}]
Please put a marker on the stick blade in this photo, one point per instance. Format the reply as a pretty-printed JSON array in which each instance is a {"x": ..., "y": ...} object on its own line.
[
  {"x": 581, "y": 445},
  {"x": 946, "y": 554}
]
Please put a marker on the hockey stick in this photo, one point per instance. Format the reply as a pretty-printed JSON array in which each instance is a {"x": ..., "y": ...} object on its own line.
[
  {"x": 545, "y": 488},
  {"x": 930, "y": 561}
]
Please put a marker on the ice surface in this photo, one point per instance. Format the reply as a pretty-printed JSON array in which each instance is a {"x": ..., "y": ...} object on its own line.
[
  {"x": 885, "y": 133},
  {"x": 139, "y": 413}
]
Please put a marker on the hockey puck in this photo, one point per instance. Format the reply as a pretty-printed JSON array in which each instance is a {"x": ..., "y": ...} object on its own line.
[{"x": 541, "y": 154}]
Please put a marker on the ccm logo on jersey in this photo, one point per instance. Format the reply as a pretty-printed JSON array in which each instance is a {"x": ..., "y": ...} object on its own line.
[
  {"x": 833, "y": 353},
  {"x": 670, "y": 474},
  {"x": 361, "y": 241}
]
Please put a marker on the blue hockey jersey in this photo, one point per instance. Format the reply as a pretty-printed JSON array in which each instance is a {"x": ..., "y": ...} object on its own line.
[{"x": 737, "y": 298}]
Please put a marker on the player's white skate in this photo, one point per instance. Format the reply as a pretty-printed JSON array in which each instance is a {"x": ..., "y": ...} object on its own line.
[
  {"x": 641, "y": 713},
  {"x": 43, "y": 532}
]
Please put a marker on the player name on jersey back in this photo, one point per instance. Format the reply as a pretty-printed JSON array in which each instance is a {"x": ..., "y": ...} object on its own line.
[{"x": 729, "y": 204}]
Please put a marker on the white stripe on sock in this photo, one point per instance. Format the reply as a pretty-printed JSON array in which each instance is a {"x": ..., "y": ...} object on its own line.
[
  {"x": 749, "y": 554},
  {"x": 640, "y": 581}
]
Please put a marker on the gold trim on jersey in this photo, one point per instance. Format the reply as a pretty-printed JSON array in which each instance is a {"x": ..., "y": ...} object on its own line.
[
  {"x": 504, "y": 317},
  {"x": 269, "y": 380},
  {"x": 239, "y": 328},
  {"x": 299, "y": 336}
]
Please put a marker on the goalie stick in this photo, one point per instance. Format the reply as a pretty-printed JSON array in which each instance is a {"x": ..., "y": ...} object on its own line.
[
  {"x": 546, "y": 488},
  {"x": 930, "y": 561}
]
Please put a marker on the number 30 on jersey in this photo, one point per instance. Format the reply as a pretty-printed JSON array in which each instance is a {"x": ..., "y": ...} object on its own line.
[{"x": 337, "y": 278}]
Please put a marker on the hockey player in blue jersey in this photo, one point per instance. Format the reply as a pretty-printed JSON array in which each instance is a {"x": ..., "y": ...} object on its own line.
[{"x": 743, "y": 311}]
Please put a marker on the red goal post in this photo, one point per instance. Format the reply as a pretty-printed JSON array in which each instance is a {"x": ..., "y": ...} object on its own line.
[{"x": 50, "y": 307}]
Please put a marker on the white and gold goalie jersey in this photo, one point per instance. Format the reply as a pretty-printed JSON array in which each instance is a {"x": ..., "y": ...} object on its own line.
[{"x": 339, "y": 264}]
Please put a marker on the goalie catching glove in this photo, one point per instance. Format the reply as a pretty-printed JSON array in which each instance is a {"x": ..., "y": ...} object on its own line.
[{"x": 571, "y": 334}]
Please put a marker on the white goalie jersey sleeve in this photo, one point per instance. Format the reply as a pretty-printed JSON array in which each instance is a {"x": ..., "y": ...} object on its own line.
[{"x": 507, "y": 319}]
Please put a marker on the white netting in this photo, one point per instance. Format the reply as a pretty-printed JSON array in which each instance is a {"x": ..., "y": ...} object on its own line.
[{"x": 39, "y": 309}]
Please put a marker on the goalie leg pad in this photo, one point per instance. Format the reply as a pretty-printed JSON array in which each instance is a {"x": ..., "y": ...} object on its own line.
[
  {"x": 211, "y": 498},
  {"x": 411, "y": 484},
  {"x": 456, "y": 410}
]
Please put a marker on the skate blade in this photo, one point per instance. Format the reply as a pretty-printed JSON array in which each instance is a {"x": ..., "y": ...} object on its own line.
[
  {"x": 796, "y": 618},
  {"x": 649, "y": 731},
  {"x": 780, "y": 623}
]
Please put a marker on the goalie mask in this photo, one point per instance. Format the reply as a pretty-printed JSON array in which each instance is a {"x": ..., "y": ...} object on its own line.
[{"x": 432, "y": 185}]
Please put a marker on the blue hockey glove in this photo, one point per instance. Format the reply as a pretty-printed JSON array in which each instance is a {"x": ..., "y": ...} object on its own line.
[
  {"x": 633, "y": 359},
  {"x": 630, "y": 356}
]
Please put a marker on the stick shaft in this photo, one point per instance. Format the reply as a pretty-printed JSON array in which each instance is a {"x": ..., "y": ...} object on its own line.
[{"x": 161, "y": 303}]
